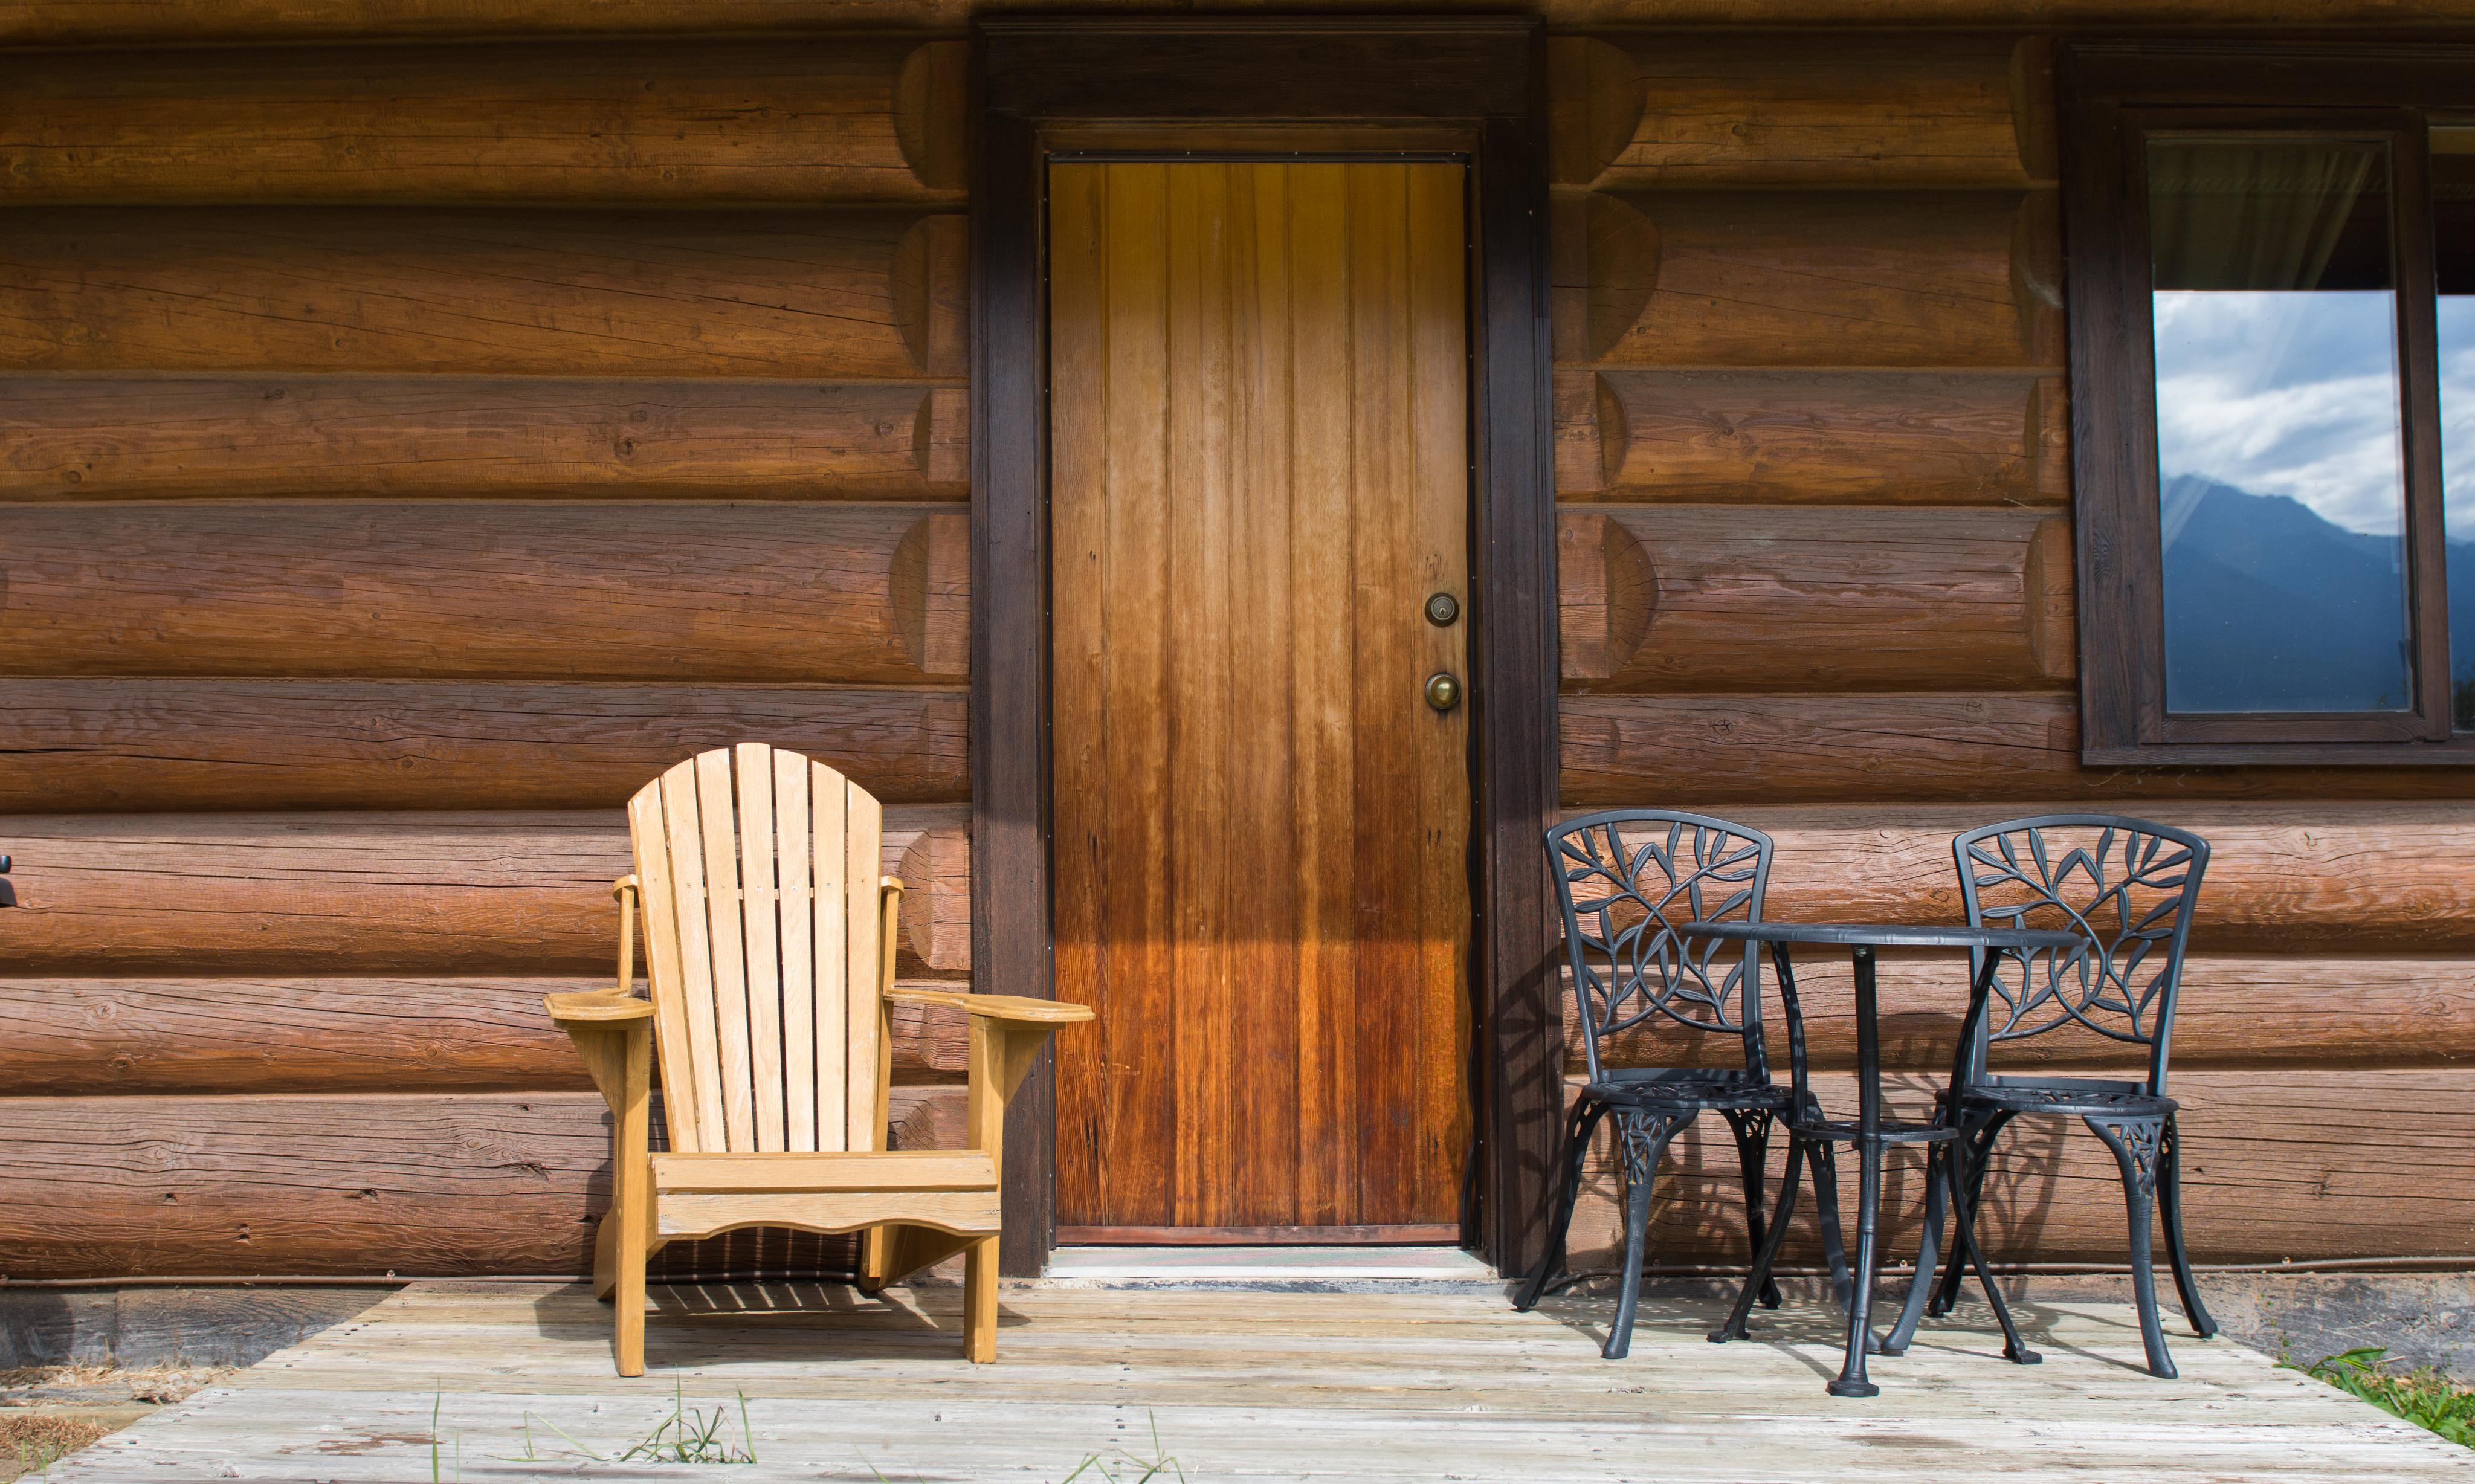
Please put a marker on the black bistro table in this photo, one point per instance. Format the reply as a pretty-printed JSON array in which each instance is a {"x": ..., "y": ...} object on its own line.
[{"x": 1871, "y": 1132}]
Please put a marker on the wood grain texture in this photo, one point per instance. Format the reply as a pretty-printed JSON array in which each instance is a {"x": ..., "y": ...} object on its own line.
[
  {"x": 66, "y": 1038},
  {"x": 1782, "y": 599},
  {"x": 415, "y": 1185},
  {"x": 1794, "y": 437},
  {"x": 1812, "y": 278},
  {"x": 2277, "y": 1167},
  {"x": 1860, "y": 109},
  {"x": 791, "y": 294},
  {"x": 1261, "y": 829},
  {"x": 1721, "y": 749},
  {"x": 472, "y": 1183},
  {"x": 2236, "y": 1012},
  {"x": 139, "y": 437},
  {"x": 235, "y": 744},
  {"x": 676, "y": 121},
  {"x": 639, "y": 591},
  {"x": 303, "y": 893},
  {"x": 124, "y": 22},
  {"x": 2289, "y": 877}
]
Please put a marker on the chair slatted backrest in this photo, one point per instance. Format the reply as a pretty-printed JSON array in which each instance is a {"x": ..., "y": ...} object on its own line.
[{"x": 759, "y": 872}]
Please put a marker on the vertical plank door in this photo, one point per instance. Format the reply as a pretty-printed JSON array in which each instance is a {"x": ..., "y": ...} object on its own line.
[{"x": 1261, "y": 829}]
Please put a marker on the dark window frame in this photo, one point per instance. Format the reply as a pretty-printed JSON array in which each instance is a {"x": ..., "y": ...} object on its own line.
[{"x": 2113, "y": 95}]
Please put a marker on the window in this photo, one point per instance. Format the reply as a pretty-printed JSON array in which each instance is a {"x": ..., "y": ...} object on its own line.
[{"x": 2271, "y": 282}]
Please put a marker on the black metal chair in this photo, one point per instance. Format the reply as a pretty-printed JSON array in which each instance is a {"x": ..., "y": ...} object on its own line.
[
  {"x": 2129, "y": 886},
  {"x": 1628, "y": 880}
]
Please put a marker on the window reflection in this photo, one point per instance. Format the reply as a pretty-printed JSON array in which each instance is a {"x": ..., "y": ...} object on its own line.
[
  {"x": 2452, "y": 222},
  {"x": 2281, "y": 482}
]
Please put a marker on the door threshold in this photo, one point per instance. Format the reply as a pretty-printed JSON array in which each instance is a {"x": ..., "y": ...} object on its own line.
[{"x": 1288, "y": 1266}]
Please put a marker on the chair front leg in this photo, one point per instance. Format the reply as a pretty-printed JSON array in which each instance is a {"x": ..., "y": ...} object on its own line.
[
  {"x": 2169, "y": 1207},
  {"x": 1579, "y": 1127},
  {"x": 1642, "y": 1139},
  {"x": 1929, "y": 1251},
  {"x": 2136, "y": 1144},
  {"x": 1751, "y": 1128}
]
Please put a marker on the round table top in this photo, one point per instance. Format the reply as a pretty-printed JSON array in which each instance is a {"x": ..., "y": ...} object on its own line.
[{"x": 1886, "y": 934}]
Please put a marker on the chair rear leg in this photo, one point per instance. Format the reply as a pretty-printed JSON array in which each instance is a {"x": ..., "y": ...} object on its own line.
[
  {"x": 1577, "y": 1130},
  {"x": 2135, "y": 1142},
  {"x": 1825, "y": 1201},
  {"x": 1734, "y": 1326},
  {"x": 1753, "y": 1129},
  {"x": 1965, "y": 1253},
  {"x": 1974, "y": 1152},
  {"x": 980, "y": 1301},
  {"x": 1642, "y": 1141},
  {"x": 2169, "y": 1206},
  {"x": 1928, "y": 1252}
]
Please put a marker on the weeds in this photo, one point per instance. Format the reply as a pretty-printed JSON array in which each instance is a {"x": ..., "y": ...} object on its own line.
[
  {"x": 40, "y": 1442},
  {"x": 1106, "y": 1467},
  {"x": 2424, "y": 1397},
  {"x": 1109, "y": 1467},
  {"x": 687, "y": 1436}
]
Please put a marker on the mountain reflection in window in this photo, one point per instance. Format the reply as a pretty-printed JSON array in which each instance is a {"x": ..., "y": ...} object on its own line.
[{"x": 2281, "y": 480}]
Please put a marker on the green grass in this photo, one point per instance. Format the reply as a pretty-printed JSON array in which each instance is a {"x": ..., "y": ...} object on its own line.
[{"x": 2424, "y": 1397}]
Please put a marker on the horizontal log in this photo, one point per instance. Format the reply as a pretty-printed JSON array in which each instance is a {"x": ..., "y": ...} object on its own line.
[
  {"x": 56, "y": 22},
  {"x": 1719, "y": 749},
  {"x": 637, "y": 591},
  {"x": 804, "y": 295},
  {"x": 416, "y": 1185},
  {"x": 782, "y": 120},
  {"x": 461, "y": 437},
  {"x": 431, "y": 894},
  {"x": 1806, "y": 437},
  {"x": 2323, "y": 878},
  {"x": 69, "y": 1037},
  {"x": 2303, "y": 1166},
  {"x": 1787, "y": 599},
  {"x": 2234, "y": 1011},
  {"x": 231, "y": 745},
  {"x": 1862, "y": 109},
  {"x": 1813, "y": 278}
]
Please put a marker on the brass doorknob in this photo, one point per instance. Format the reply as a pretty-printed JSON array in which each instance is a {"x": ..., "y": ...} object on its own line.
[{"x": 1443, "y": 691}]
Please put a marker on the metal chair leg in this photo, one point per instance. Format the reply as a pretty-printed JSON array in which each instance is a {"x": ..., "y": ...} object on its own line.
[
  {"x": 1753, "y": 1129},
  {"x": 1734, "y": 1326},
  {"x": 1825, "y": 1201},
  {"x": 1579, "y": 1126},
  {"x": 1975, "y": 1153},
  {"x": 1643, "y": 1142},
  {"x": 1929, "y": 1253},
  {"x": 2169, "y": 1207},
  {"x": 2135, "y": 1143},
  {"x": 1966, "y": 1253}
]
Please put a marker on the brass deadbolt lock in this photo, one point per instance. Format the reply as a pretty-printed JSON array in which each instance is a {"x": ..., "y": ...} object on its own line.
[
  {"x": 1442, "y": 609},
  {"x": 1443, "y": 691}
]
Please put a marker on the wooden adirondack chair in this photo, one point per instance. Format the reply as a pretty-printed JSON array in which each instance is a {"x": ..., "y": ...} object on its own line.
[{"x": 770, "y": 943}]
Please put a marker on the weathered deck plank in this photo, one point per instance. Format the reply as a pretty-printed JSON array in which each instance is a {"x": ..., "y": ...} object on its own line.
[{"x": 1413, "y": 1385}]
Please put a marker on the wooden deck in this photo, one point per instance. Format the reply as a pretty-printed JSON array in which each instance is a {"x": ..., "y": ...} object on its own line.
[{"x": 1438, "y": 1382}]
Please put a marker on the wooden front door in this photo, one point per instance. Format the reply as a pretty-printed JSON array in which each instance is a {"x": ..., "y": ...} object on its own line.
[{"x": 1260, "y": 479}]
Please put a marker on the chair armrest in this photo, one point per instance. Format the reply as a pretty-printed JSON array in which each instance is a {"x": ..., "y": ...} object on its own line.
[
  {"x": 596, "y": 1008},
  {"x": 1014, "y": 1007}
]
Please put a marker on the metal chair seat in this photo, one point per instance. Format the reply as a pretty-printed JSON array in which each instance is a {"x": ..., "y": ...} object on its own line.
[
  {"x": 2066, "y": 1097},
  {"x": 1846, "y": 1130},
  {"x": 1669, "y": 1090}
]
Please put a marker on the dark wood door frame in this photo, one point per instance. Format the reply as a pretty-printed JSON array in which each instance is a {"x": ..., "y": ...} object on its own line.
[{"x": 1472, "y": 88}]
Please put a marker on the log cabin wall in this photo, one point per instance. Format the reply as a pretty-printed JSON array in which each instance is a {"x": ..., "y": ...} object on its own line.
[{"x": 414, "y": 442}]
